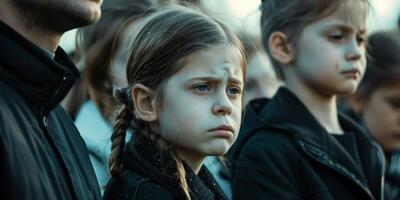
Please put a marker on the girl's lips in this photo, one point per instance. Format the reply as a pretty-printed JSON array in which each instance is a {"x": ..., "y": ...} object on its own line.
[
  {"x": 352, "y": 73},
  {"x": 221, "y": 133},
  {"x": 224, "y": 131}
]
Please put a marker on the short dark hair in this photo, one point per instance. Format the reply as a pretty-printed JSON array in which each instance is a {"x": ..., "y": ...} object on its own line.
[{"x": 383, "y": 66}]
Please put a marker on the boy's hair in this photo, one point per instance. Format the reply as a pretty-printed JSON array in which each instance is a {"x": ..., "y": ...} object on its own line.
[
  {"x": 290, "y": 17},
  {"x": 162, "y": 44},
  {"x": 383, "y": 67}
]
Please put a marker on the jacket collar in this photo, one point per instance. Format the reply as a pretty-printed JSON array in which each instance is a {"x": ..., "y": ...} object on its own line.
[
  {"x": 286, "y": 112},
  {"x": 41, "y": 81},
  {"x": 142, "y": 157}
]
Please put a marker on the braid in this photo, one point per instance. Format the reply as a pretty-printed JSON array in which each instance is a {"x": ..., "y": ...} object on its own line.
[
  {"x": 182, "y": 177},
  {"x": 122, "y": 123},
  {"x": 162, "y": 144}
]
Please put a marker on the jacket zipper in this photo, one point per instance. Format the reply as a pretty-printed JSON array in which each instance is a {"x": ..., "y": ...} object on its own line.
[{"x": 323, "y": 158}]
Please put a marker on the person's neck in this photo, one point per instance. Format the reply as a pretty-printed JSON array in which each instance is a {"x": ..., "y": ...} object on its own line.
[
  {"x": 322, "y": 106},
  {"x": 45, "y": 39},
  {"x": 193, "y": 159}
]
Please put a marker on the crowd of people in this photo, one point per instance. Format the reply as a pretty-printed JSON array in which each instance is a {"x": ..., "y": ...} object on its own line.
[{"x": 160, "y": 100}]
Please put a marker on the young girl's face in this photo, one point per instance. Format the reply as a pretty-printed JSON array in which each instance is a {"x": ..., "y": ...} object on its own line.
[
  {"x": 381, "y": 113},
  {"x": 330, "y": 53},
  {"x": 202, "y": 103}
]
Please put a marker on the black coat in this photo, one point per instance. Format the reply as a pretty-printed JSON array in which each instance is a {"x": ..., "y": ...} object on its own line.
[
  {"x": 149, "y": 175},
  {"x": 392, "y": 175},
  {"x": 42, "y": 155},
  {"x": 293, "y": 157}
]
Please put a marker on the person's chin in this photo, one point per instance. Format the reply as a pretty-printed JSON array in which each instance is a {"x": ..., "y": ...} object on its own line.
[
  {"x": 347, "y": 88},
  {"x": 218, "y": 150},
  {"x": 94, "y": 12},
  {"x": 91, "y": 11}
]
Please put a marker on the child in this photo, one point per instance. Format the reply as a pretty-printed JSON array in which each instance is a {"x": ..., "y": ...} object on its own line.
[
  {"x": 261, "y": 79},
  {"x": 183, "y": 103},
  {"x": 93, "y": 118},
  {"x": 377, "y": 101},
  {"x": 305, "y": 149}
]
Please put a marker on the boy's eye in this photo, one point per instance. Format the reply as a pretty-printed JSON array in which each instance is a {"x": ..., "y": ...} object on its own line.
[
  {"x": 202, "y": 88},
  {"x": 360, "y": 40},
  {"x": 394, "y": 102},
  {"x": 250, "y": 85},
  {"x": 234, "y": 91}
]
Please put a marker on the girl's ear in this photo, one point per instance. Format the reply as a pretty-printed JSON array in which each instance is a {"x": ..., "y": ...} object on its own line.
[
  {"x": 144, "y": 103},
  {"x": 280, "y": 48}
]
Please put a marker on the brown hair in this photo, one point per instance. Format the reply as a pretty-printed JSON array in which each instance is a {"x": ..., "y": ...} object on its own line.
[
  {"x": 383, "y": 67},
  {"x": 96, "y": 48},
  {"x": 161, "y": 48},
  {"x": 290, "y": 17}
]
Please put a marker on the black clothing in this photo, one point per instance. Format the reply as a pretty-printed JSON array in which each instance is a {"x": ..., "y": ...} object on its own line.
[
  {"x": 150, "y": 175},
  {"x": 293, "y": 157},
  {"x": 392, "y": 174},
  {"x": 42, "y": 154},
  {"x": 392, "y": 184},
  {"x": 349, "y": 143}
]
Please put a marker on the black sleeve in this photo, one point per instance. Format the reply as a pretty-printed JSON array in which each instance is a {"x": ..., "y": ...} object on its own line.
[{"x": 265, "y": 171}]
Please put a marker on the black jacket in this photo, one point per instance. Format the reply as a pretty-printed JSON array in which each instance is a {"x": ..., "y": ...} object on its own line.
[
  {"x": 42, "y": 155},
  {"x": 392, "y": 175},
  {"x": 150, "y": 175},
  {"x": 293, "y": 157}
]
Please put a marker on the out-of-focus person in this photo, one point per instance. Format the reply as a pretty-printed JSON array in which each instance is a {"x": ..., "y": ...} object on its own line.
[
  {"x": 42, "y": 155},
  {"x": 377, "y": 103}
]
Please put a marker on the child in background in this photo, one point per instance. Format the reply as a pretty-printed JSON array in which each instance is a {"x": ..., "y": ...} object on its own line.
[
  {"x": 261, "y": 79},
  {"x": 94, "y": 105},
  {"x": 303, "y": 148},
  {"x": 183, "y": 103},
  {"x": 377, "y": 103}
]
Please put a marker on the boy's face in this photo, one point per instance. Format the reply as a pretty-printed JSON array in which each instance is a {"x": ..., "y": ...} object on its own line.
[
  {"x": 381, "y": 113},
  {"x": 261, "y": 81},
  {"x": 330, "y": 55},
  {"x": 202, "y": 103}
]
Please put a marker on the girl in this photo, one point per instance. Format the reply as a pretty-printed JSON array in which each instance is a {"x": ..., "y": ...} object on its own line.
[
  {"x": 305, "y": 149},
  {"x": 377, "y": 102},
  {"x": 183, "y": 103}
]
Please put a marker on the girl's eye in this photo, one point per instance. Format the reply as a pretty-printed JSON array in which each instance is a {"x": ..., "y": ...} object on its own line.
[
  {"x": 394, "y": 102},
  {"x": 336, "y": 37},
  {"x": 234, "y": 91},
  {"x": 201, "y": 88}
]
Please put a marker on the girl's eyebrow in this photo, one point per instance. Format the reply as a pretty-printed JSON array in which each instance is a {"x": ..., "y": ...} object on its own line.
[
  {"x": 216, "y": 79},
  {"x": 346, "y": 28}
]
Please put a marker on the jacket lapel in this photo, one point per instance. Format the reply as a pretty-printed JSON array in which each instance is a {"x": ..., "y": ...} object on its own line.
[{"x": 288, "y": 114}]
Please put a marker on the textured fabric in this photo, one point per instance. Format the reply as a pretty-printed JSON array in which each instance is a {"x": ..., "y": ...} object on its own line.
[
  {"x": 150, "y": 174},
  {"x": 289, "y": 155},
  {"x": 42, "y": 155}
]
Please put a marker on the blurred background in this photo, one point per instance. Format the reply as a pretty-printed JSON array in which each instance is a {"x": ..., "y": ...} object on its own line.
[{"x": 384, "y": 16}]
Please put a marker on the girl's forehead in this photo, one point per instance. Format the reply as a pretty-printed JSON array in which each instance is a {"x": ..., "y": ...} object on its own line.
[
  {"x": 352, "y": 13},
  {"x": 214, "y": 60}
]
